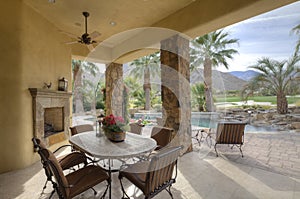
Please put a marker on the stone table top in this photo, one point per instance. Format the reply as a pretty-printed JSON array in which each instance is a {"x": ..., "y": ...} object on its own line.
[{"x": 101, "y": 147}]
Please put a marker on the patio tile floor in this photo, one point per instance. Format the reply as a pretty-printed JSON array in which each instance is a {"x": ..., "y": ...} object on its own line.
[{"x": 269, "y": 170}]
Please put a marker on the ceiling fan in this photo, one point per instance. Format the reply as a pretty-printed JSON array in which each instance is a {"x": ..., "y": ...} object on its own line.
[{"x": 86, "y": 38}]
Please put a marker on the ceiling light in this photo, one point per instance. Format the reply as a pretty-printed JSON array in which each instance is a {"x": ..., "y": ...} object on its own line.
[
  {"x": 112, "y": 23},
  {"x": 51, "y": 1}
]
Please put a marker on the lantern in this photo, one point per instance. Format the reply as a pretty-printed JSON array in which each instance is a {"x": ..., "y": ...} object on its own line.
[{"x": 62, "y": 84}]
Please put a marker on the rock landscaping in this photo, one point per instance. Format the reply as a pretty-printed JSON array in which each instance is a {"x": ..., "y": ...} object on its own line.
[{"x": 261, "y": 117}]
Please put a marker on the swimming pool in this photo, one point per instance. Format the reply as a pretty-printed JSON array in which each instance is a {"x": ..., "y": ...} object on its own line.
[{"x": 208, "y": 120}]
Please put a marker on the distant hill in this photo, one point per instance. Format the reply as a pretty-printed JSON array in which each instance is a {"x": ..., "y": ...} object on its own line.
[
  {"x": 221, "y": 81},
  {"x": 244, "y": 75}
]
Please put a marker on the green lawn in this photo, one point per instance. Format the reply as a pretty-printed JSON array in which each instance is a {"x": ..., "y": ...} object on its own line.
[{"x": 271, "y": 99}]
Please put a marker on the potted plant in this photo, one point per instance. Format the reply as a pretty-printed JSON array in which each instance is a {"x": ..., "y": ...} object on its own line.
[{"x": 114, "y": 128}]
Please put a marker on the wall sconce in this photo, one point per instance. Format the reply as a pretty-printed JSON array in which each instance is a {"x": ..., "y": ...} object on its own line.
[{"x": 62, "y": 84}]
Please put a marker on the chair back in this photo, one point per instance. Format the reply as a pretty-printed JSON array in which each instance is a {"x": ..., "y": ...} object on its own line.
[
  {"x": 81, "y": 128},
  {"x": 162, "y": 136},
  {"x": 39, "y": 146},
  {"x": 136, "y": 128},
  {"x": 54, "y": 167},
  {"x": 161, "y": 170},
  {"x": 230, "y": 133}
]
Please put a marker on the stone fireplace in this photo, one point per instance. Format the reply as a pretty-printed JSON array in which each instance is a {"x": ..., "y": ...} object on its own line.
[
  {"x": 53, "y": 121},
  {"x": 51, "y": 115}
]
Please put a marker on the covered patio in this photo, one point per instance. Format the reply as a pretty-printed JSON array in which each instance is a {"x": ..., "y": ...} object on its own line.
[
  {"x": 35, "y": 53},
  {"x": 267, "y": 171}
]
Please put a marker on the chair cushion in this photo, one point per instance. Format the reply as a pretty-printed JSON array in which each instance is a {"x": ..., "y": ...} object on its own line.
[
  {"x": 136, "y": 173},
  {"x": 85, "y": 178}
]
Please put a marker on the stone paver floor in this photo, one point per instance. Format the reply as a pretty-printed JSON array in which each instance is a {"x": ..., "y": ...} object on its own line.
[{"x": 274, "y": 152}]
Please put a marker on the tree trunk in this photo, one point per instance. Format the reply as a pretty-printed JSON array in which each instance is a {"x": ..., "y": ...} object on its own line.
[
  {"x": 147, "y": 88},
  {"x": 282, "y": 104},
  {"x": 208, "y": 85},
  {"x": 78, "y": 98}
]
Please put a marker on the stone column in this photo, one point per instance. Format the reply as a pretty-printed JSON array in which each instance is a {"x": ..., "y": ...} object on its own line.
[
  {"x": 114, "y": 89},
  {"x": 175, "y": 78}
]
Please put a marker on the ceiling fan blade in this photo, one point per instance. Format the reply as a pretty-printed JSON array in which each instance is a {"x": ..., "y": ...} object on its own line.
[
  {"x": 95, "y": 34},
  {"x": 69, "y": 34},
  {"x": 90, "y": 47},
  {"x": 71, "y": 42}
]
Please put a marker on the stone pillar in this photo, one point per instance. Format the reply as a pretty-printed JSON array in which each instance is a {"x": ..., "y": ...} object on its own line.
[
  {"x": 114, "y": 89},
  {"x": 175, "y": 88}
]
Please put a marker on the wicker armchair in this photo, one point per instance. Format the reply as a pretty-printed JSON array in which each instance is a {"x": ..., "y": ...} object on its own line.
[
  {"x": 230, "y": 133},
  {"x": 154, "y": 175}
]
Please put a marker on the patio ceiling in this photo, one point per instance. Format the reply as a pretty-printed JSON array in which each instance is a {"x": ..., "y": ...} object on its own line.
[{"x": 190, "y": 17}]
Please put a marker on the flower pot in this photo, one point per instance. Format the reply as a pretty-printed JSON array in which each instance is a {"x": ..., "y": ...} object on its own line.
[{"x": 115, "y": 136}]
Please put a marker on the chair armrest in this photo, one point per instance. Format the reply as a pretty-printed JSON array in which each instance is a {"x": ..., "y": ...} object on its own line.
[{"x": 63, "y": 146}]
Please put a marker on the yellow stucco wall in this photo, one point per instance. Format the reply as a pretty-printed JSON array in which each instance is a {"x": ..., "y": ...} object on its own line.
[{"x": 32, "y": 52}]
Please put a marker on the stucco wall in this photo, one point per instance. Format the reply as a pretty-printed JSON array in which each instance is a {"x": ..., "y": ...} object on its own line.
[{"x": 32, "y": 52}]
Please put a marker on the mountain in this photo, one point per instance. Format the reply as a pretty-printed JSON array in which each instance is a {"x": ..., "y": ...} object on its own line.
[
  {"x": 244, "y": 75},
  {"x": 221, "y": 81}
]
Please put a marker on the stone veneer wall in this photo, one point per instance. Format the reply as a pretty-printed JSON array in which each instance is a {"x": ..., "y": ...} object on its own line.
[
  {"x": 175, "y": 77},
  {"x": 43, "y": 98},
  {"x": 114, "y": 89}
]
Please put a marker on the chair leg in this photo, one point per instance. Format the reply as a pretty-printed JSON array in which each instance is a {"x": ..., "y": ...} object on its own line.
[
  {"x": 51, "y": 194},
  {"x": 240, "y": 147},
  {"x": 103, "y": 195},
  {"x": 216, "y": 150},
  {"x": 208, "y": 136},
  {"x": 57, "y": 191},
  {"x": 123, "y": 190},
  {"x": 169, "y": 191},
  {"x": 95, "y": 192},
  {"x": 44, "y": 187}
]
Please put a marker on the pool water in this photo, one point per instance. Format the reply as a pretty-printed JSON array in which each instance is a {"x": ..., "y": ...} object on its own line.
[{"x": 208, "y": 120}]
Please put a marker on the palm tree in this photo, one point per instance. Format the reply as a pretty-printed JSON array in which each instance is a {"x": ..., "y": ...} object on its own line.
[
  {"x": 198, "y": 96},
  {"x": 277, "y": 76},
  {"x": 78, "y": 67},
  {"x": 211, "y": 50},
  {"x": 296, "y": 30},
  {"x": 145, "y": 67}
]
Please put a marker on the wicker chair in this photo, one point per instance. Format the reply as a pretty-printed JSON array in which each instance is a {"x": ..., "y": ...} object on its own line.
[
  {"x": 230, "y": 133},
  {"x": 136, "y": 128},
  {"x": 162, "y": 136},
  {"x": 72, "y": 184},
  {"x": 68, "y": 161},
  {"x": 154, "y": 175}
]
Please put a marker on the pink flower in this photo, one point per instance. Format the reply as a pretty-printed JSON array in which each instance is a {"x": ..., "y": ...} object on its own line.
[{"x": 113, "y": 123}]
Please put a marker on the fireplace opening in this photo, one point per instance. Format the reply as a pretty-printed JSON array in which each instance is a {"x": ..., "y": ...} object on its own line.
[{"x": 53, "y": 120}]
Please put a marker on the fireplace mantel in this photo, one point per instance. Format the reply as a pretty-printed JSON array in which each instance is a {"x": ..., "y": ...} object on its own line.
[
  {"x": 39, "y": 92},
  {"x": 45, "y": 98}
]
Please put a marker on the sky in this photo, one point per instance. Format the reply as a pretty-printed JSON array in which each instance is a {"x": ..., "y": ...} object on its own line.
[{"x": 266, "y": 35}]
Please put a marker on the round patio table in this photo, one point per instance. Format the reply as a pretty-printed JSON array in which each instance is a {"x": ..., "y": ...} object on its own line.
[{"x": 100, "y": 147}]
